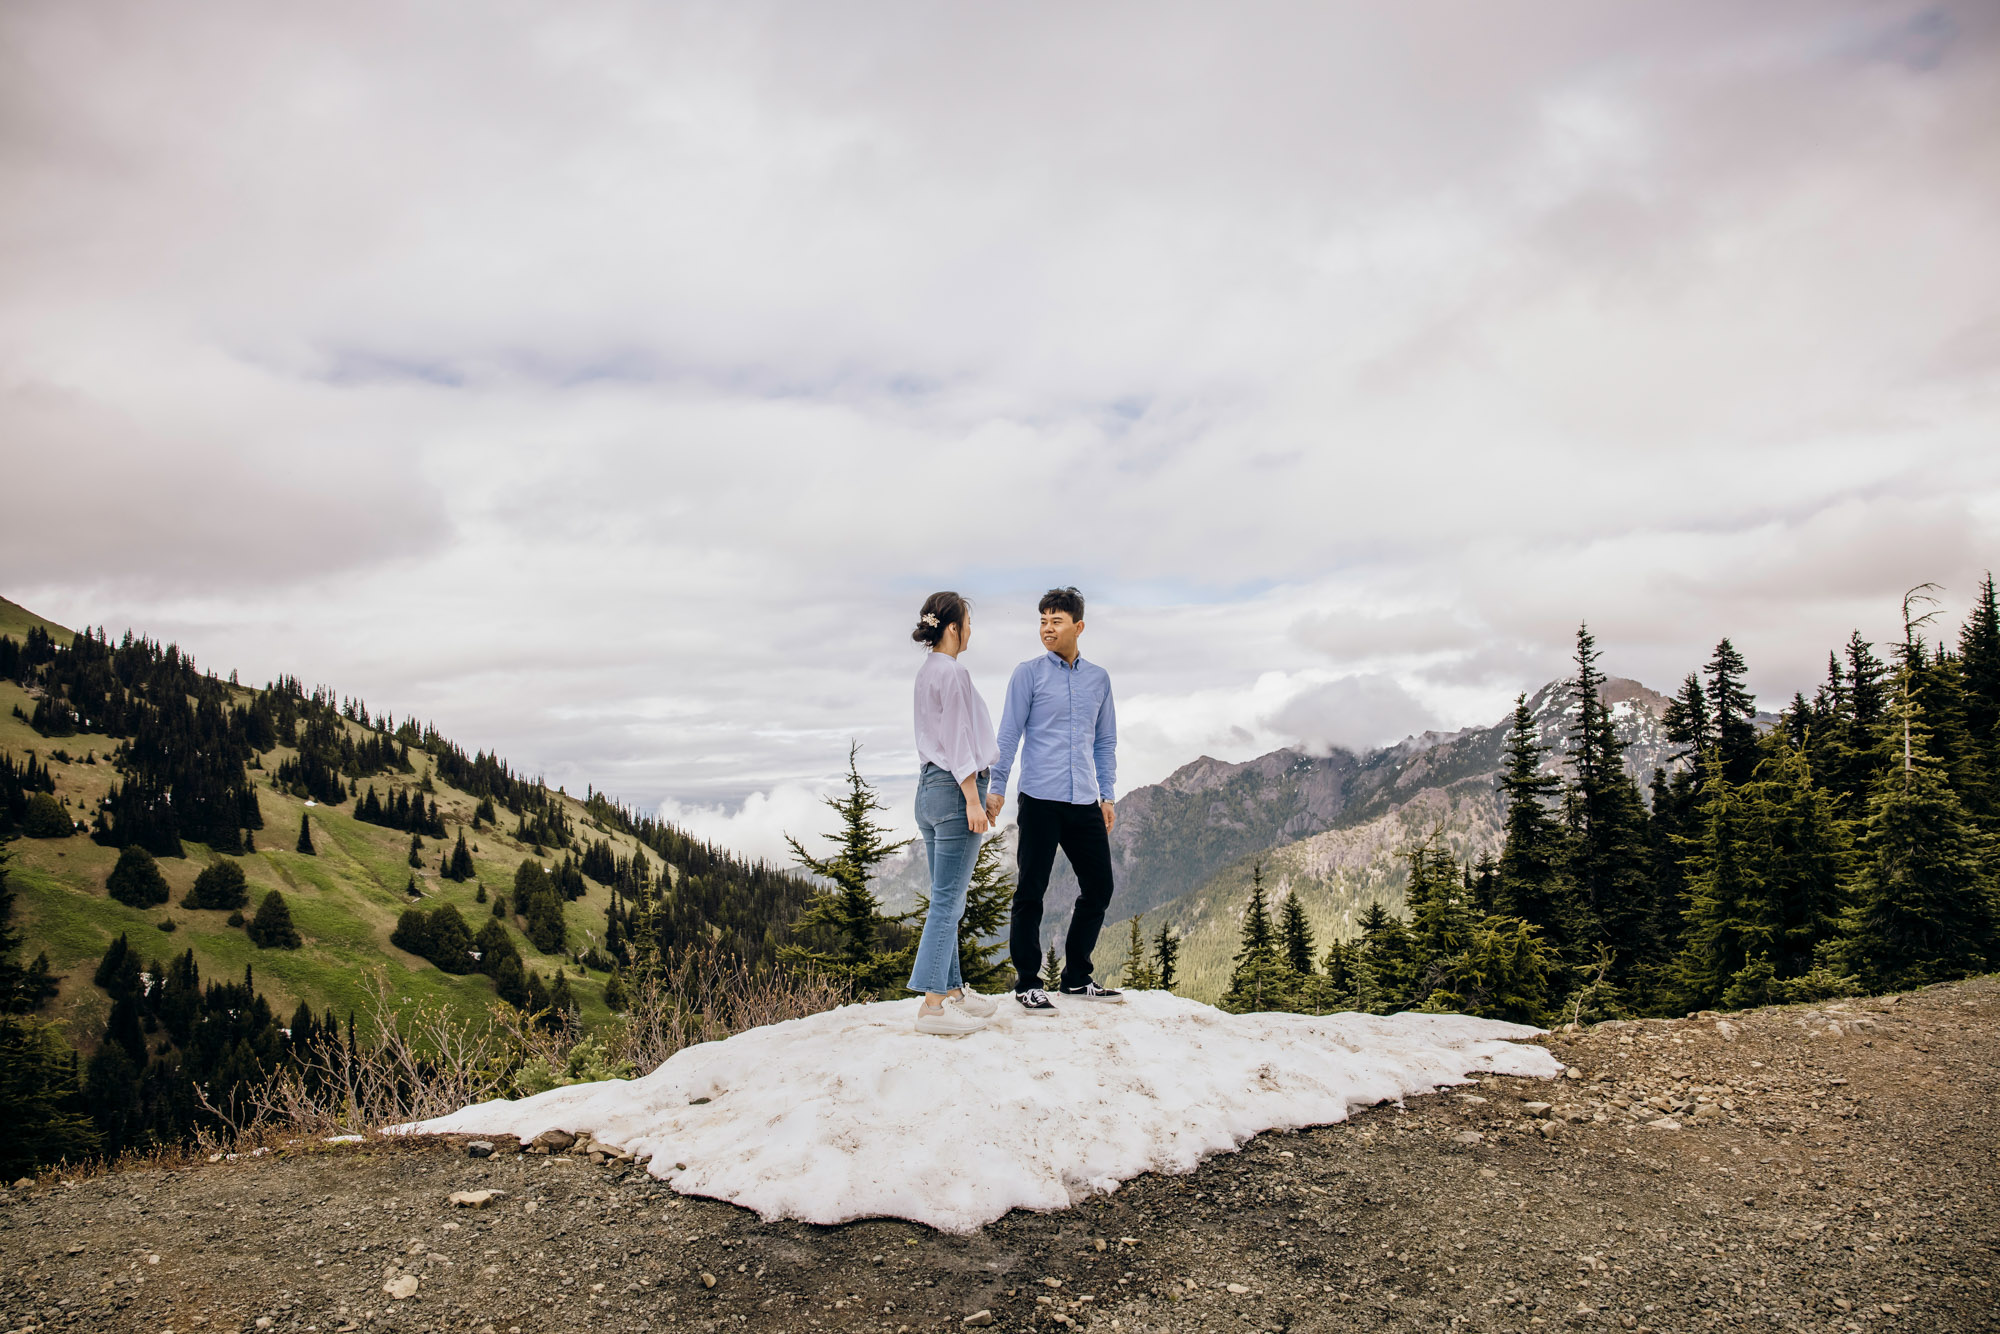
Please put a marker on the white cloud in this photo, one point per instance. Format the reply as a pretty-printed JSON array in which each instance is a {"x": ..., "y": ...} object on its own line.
[{"x": 610, "y": 382}]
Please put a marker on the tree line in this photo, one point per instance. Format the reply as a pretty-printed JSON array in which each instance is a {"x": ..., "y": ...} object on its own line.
[{"x": 1848, "y": 847}]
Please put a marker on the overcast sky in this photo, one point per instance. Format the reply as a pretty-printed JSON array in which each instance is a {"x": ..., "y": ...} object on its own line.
[{"x": 609, "y": 383}]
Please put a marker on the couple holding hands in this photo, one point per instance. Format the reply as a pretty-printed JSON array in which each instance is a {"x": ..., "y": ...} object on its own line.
[{"x": 1059, "y": 716}]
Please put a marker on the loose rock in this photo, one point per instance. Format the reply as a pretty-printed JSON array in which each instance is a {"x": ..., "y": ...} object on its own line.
[
  {"x": 978, "y": 1318},
  {"x": 479, "y": 1148},
  {"x": 475, "y": 1199},
  {"x": 403, "y": 1286}
]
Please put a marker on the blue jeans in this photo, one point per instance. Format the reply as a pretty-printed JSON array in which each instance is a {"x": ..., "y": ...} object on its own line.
[{"x": 952, "y": 848}]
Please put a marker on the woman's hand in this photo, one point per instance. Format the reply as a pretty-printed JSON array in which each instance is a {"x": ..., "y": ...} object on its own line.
[{"x": 975, "y": 809}]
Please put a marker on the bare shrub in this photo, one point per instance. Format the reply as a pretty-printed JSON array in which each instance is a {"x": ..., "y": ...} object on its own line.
[
  {"x": 705, "y": 995},
  {"x": 423, "y": 1061}
]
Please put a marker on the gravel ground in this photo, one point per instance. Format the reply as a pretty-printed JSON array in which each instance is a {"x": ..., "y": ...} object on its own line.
[{"x": 1830, "y": 1168}]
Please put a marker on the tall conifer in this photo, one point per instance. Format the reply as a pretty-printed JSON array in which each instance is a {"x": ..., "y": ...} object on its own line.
[
  {"x": 1296, "y": 934},
  {"x": 1531, "y": 882},
  {"x": 850, "y": 911}
]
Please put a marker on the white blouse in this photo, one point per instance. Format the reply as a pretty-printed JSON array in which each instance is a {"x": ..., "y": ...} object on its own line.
[{"x": 954, "y": 731}]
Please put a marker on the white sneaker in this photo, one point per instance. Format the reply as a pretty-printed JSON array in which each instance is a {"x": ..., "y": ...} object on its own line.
[
  {"x": 973, "y": 1003},
  {"x": 947, "y": 1021}
]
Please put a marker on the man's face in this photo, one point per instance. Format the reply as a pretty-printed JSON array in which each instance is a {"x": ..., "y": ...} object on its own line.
[{"x": 1059, "y": 633}]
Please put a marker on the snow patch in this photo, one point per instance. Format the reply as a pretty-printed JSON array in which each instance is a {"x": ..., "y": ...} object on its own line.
[{"x": 853, "y": 1114}]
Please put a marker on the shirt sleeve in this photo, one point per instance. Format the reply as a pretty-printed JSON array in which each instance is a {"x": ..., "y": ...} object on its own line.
[
  {"x": 1106, "y": 749},
  {"x": 961, "y": 728},
  {"x": 1013, "y": 718}
]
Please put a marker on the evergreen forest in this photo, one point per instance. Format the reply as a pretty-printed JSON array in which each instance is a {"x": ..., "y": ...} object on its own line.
[{"x": 1848, "y": 847}]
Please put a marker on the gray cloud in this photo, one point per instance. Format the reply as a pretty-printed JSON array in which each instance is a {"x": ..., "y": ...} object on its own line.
[{"x": 608, "y": 381}]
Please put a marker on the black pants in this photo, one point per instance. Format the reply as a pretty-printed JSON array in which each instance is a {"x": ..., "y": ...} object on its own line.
[{"x": 1079, "y": 831}]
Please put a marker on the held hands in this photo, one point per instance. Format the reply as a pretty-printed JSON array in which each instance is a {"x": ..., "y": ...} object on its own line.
[
  {"x": 994, "y": 801},
  {"x": 975, "y": 817}
]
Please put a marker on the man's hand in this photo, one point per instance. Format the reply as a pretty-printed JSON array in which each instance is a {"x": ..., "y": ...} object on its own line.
[
  {"x": 994, "y": 801},
  {"x": 1110, "y": 816}
]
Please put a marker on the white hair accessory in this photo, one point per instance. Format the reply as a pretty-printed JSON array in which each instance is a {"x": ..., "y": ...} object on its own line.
[{"x": 928, "y": 619}]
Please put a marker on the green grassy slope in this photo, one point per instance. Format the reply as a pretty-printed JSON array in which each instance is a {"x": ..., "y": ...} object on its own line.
[{"x": 345, "y": 900}]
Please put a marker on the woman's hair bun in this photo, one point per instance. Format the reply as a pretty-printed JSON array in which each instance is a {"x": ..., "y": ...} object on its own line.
[{"x": 940, "y": 611}]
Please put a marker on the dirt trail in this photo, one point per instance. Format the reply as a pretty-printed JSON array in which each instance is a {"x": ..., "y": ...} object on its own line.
[{"x": 1843, "y": 1179}]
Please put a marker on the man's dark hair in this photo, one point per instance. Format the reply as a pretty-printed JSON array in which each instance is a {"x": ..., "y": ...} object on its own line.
[{"x": 1062, "y": 599}]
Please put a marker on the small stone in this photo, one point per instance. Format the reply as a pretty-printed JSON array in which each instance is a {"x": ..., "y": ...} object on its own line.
[
  {"x": 1468, "y": 1137},
  {"x": 1490, "y": 1173},
  {"x": 707, "y": 1279},
  {"x": 1708, "y": 1111},
  {"x": 1663, "y": 1123},
  {"x": 978, "y": 1318},
  {"x": 76, "y": 1249},
  {"x": 1236, "y": 1288},
  {"x": 401, "y": 1287},
  {"x": 479, "y": 1148},
  {"x": 1725, "y": 1030},
  {"x": 1535, "y": 1108},
  {"x": 1572, "y": 1073},
  {"x": 475, "y": 1199},
  {"x": 1052, "y": 1283},
  {"x": 1098, "y": 1244},
  {"x": 263, "y": 1322},
  {"x": 530, "y": 1207},
  {"x": 1550, "y": 1129},
  {"x": 1128, "y": 1241},
  {"x": 552, "y": 1141}
]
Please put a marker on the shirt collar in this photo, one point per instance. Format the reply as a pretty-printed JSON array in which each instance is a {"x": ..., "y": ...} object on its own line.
[{"x": 1056, "y": 658}]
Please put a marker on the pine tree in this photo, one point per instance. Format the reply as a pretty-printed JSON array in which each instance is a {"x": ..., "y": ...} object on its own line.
[
  {"x": 1804, "y": 848},
  {"x": 1924, "y": 891},
  {"x": 850, "y": 912},
  {"x": 450, "y": 940},
  {"x": 1728, "y": 916},
  {"x": 1166, "y": 956},
  {"x": 1387, "y": 973},
  {"x": 1138, "y": 974},
  {"x": 1607, "y": 821},
  {"x": 271, "y": 928},
  {"x": 1052, "y": 969},
  {"x": 1687, "y": 725},
  {"x": 1531, "y": 883},
  {"x": 1257, "y": 978},
  {"x": 460, "y": 867},
  {"x": 136, "y": 880},
  {"x": 221, "y": 884},
  {"x": 1296, "y": 934},
  {"x": 306, "y": 836},
  {"x": 1439, "y": 927},
  {"x": 510, "y": 982},
  {"x": 615, "y": 996},
  {"x": 1979, "y": 654},
  {"x": 1733, "y": 711},
  {"x": 416, "y": 850}
]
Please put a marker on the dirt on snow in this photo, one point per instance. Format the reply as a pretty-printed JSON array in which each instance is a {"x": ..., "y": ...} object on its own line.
[{"x": 1830, "y": 1168}]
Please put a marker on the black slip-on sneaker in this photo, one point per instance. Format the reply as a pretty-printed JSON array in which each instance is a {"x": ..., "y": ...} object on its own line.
[
  {"x": 1090, "y": 991},
  {"x": 1035, "y": 1001}
]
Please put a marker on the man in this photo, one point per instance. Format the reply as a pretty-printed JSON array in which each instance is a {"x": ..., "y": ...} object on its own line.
[{"x": 1059, "y": 714}]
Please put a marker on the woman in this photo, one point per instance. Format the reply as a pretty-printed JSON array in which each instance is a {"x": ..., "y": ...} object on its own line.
[{"x": 955, "y": 746}]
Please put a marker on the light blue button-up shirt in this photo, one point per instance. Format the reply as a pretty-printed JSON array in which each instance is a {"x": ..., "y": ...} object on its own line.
[{"x": 1064, "y": 715}]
